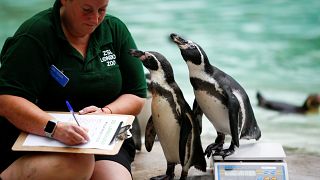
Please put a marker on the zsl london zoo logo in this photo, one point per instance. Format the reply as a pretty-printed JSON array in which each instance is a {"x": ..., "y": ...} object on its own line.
[{"x": 108, "y": 57}]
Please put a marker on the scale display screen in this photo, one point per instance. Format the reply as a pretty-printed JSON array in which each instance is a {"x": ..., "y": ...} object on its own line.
[{"x": 250, "y": 171}]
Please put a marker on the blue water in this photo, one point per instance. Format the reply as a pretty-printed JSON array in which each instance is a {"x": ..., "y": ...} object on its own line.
[{"x": 272, "y": 46}]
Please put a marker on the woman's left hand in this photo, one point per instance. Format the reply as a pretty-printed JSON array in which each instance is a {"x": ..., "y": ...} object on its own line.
[{"x": 91, "y": 110}]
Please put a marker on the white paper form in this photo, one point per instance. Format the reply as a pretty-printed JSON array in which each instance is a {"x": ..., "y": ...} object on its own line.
[{"x": 101, "y": 130}]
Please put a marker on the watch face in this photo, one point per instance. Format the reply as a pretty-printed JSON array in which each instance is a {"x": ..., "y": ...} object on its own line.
[{"x": 50, "y": 127}]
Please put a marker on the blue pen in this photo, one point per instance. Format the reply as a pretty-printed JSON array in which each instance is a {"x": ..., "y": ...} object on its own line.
[{"x": 71, "y": 111}]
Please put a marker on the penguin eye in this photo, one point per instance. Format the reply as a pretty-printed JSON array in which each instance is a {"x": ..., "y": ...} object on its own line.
[
  {"x": 150, "y": 58},
  {"x": 147, "y": 56}
]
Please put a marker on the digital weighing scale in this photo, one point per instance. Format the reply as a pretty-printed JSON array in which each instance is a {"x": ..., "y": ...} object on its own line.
[{"x": 252, "y": 161}]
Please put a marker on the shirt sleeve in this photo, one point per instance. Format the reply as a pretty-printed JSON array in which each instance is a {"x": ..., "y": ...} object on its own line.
[
  {"x": 24, "y": 70},
  {"x": 132, "y": 72}
]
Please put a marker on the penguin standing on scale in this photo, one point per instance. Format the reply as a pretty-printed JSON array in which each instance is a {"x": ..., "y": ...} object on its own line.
[
  {"x": 221, "y": 98},
  {"x": 172, "y": 119}
]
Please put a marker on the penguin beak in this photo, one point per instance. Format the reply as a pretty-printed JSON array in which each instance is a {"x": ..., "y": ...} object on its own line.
[
  {"x": 136, "y": 53},
  {"x": 177, "y": 39}
]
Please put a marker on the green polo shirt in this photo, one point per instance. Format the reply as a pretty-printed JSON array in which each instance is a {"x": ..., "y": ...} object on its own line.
[{"x": 107, "y": 71}]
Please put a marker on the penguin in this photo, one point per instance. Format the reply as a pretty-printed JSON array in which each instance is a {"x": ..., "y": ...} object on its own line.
[
  {"x": 171, "y": 120},
  {"x": 310, "y": 106},
  {"x": 221, "y": 99}
]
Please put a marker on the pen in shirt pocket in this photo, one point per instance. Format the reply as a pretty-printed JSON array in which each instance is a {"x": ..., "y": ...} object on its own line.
[{"x": 72, "y": 112}]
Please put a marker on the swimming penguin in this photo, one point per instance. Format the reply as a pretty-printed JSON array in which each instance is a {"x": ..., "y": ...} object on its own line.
[
  {"x": 310, "y": 105},
  {"x": 220, "y": 97},
  {"x": 172, "y": 119}
]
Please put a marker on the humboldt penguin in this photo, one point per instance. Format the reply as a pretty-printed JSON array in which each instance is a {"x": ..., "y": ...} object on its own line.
[
  {"x": 311, "y": 105},
  {"x": 220, "y": 97},
  {"x": 172, "y": 120}
]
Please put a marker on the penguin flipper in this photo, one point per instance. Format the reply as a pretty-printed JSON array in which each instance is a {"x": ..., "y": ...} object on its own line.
[
  {"x": 197, "y": 111},
  {"x": 150, "y": 134},
  {"x": 233, "y": 106},
  {"x": 136, "y": 134},
  {"x": 185, "y": 130}
]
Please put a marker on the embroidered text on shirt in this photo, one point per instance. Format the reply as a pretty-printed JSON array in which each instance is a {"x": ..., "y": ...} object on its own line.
[{"x": 108, "y": 57}]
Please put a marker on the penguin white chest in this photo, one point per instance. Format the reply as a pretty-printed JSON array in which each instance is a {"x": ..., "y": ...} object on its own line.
[
  {"x": 167, "y": 127},
  {"x": 215, "y": 111}
]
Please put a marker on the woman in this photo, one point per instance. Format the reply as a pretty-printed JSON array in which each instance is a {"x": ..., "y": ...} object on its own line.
[{"x": 72, "y": 51}]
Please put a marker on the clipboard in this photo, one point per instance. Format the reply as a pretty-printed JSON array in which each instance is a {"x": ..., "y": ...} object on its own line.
[{"x": 119, "y": 138}]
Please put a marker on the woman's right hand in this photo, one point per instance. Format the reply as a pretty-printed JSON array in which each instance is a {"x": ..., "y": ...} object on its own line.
[{"x": 71, "y": 134}]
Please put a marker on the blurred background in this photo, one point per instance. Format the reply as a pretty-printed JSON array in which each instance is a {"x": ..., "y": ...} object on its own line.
[{"x": 268, "y": 46}]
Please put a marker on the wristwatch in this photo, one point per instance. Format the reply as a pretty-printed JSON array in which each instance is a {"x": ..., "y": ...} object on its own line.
[{"x": 50, "y": 128}]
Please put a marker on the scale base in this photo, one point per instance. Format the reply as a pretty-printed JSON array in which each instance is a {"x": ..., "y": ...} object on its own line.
[
  {"x": 250, "y": 171},
  {"x": 252, "y": 161}
]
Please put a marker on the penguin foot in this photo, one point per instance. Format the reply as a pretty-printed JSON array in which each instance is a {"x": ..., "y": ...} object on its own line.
[
  {"x": 184, "y": 175},
  {"x": 216, "y": 147},
  {"x": 223, "y": 153},
  {"x": 163, "y": 177}
]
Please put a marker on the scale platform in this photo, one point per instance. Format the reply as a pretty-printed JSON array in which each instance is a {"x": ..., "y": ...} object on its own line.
[{"x": 252, "y": 161}]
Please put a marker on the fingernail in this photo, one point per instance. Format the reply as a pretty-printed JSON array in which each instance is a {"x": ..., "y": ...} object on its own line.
[
  {"x": 81, "y": 112},
  {"x": 84, "y": 141}
]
